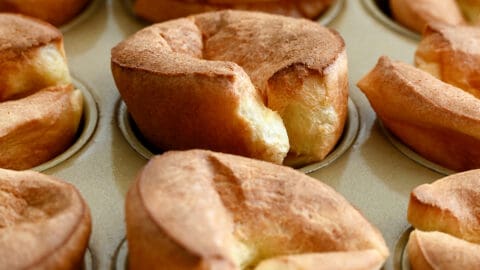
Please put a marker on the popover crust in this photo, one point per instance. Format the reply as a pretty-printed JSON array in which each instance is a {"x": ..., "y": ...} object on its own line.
[
  {"x": 199, "y": 208},
  {"x": 446, "y": 215},
  {"x": 449, "y": 205},
  {"x": 437, "y": 120},
  {"x": 452, "y": 54},
  {"x": 24, "y": 33},
  {"x": 31, "y": 56},
  {"x": 44, "y": 223},
  {"x": 38, "y": 127},
  {"x": 441, "y": 251}
]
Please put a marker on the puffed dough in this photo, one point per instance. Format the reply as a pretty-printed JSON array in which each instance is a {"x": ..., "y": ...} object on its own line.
[
  {"x": 212, "y": 80},
  {"x": 40, "y": 111},
  {"x": 416, "y": 14},
  {"x": 446, "y": 215},
  {"x": 32, "y": 56},
  {"x": 439, "y": 121},
  {"x": 56, "y": 12},
  {"x": 44, "y": 222},
  {"x": 162, "y": 10},
  {"x": 449, "y": 205},
  {"x": 38, "y": 127},
  {"x": 452, "y": 54},
  {"x": 198, "y": 209},
  {"x": 440, "y": 251}
]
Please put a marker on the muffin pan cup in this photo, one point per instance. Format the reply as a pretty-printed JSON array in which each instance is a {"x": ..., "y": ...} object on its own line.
[
  {"x": 380, "y": 10},
  {"x": 371, "y": 173}
]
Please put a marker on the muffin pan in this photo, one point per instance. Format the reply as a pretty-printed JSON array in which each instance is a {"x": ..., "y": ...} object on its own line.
[
  {"x": 380, "y": 9},
  {"x": 401, "y": 254},
  {"x": 368, "y": 170}
]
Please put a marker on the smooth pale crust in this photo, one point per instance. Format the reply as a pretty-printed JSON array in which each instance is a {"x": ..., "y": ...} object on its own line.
[
  {"x": 44, "y": 222},
  {"x": 32, "y": 56},
  {"x": 440, "y": 251},
  {"x": 437, "y": 120},
  {"x": 450, "y": 205},
  {"x": 204, "y": 210},
  {"x": 56, "y": 12},
  {"x": 227, "y": 51},
  {"x": 351, "y": 260},
  {"x": 454, "y": 54},
  {"x": 162, "y": 10},
  {"x": 415, "y": 14},
  {"x": 19, "y": 33},
  {"x": 37, "y": 128}
]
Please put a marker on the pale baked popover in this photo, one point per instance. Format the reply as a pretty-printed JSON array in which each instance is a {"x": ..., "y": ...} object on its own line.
[
  {"x": 236, "y": 82},
  {"x": 40, "y": 110},
  {"x": 446, "y": 217},
  {"x": 437, "y": 120},
  {"x": 199, "y": 209},
  {"x": 44, "y": 222},
  {"x": 452, "y": 54}
]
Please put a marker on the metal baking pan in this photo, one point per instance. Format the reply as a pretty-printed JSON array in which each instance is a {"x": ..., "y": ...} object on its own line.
[{"x": 370, "y": 172}]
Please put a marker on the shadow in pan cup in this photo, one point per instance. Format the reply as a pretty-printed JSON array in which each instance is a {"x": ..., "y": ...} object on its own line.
[
  {"x": 86, "y": 128},
  {"x": 400, "y": 255},
  {"x": 324, "y": 19},
  {"x": 412, "y": 154},
  {"x": 380, "y": 10},
  {"x": 88, "y": 261},
  {"x": 120, "y": 258},
  {"x": 139, "y": 144}
]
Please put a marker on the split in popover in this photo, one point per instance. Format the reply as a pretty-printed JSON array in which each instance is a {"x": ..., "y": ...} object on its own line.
[
  {"x": 452, "y": 54},
  {"x": 236, "y": 82}
]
